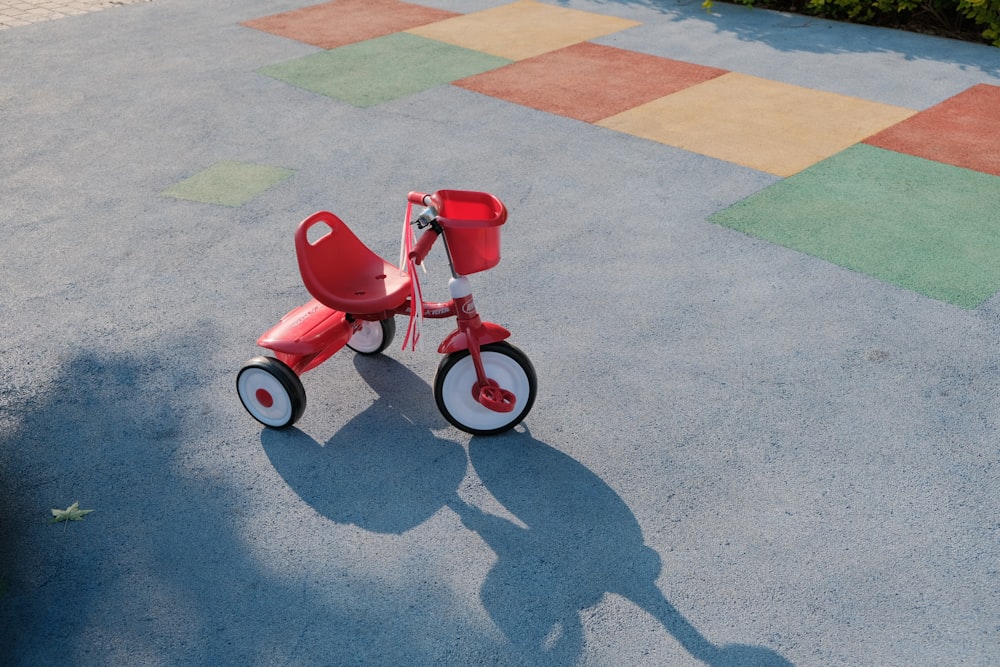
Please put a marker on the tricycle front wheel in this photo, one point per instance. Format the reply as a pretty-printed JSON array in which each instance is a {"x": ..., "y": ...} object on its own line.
[
  {"x": 456, "y": 379},
  {"x": 271, "y": 392}
]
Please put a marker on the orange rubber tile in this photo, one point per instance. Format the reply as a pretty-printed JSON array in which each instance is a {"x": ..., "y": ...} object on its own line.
[
  {"x": 963, "y": 131},
  {"x": 343, "y": 22},
  {"x": 588, "y": 81},
  {"x": 522, "y": 29},
  {"x": 762, "y": 124}
]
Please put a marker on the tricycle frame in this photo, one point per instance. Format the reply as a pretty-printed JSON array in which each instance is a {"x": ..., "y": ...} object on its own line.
[{"x": 312, "y": 333}]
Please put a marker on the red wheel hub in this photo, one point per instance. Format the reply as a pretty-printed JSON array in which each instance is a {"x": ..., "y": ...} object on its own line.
[
  {"x": 493, "y": 397},
  {"x": 264, "y": 398}
]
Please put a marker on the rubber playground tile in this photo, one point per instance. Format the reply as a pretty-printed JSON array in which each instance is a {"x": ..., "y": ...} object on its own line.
[
  {"x": 762, "y": 124},
  {"x": 382, "y": 69},
  {"x": 229, "y": 183},
  {"x": 343, "y": 22},
  {"x": 588, "y": 81},
  {"x": 522, "y": 29},
  {"x": 964, "y": 131},
  {"x": 925, "y": 226}
]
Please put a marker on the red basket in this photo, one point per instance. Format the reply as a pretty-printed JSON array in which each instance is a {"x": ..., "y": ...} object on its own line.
[{"x": 471, "y": 222}]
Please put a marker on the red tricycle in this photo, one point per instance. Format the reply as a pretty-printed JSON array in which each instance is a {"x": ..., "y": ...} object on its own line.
[{"x": 483, "y": 385}]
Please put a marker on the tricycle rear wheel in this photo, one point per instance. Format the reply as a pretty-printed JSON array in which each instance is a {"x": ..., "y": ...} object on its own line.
[
  {"x": 373, "y": 337},
  {"x": 271, "y": 392}
]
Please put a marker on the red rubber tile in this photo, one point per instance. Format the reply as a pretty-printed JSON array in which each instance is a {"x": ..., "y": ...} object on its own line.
[
  {"x": 588, "y": 81},
  {"x": 334, "y": 24},
  {"x": 963, "y": 131}
]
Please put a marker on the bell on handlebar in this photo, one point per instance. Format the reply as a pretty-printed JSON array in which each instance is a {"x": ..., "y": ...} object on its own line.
[{"x": 426, "y": 217}]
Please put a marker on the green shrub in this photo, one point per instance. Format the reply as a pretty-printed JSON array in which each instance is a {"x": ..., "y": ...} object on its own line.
[
  {"x": 983, "y": 12},
  {"x": 948, "y": 16},
  {"x": 864, "y": 11}
]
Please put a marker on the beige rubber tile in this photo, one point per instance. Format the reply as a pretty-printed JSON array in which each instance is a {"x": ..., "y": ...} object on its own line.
[
  {"x": 765, "y": 125},
  {"x": 522, "y": 29}
]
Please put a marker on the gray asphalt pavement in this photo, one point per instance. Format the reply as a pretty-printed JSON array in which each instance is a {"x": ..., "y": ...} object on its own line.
[{"x": 740, "y": 454}]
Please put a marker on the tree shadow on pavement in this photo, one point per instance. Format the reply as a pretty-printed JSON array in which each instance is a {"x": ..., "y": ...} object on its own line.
[
  {"x": 167, "y": 570},
  {"x": 801, "y": 33},
  {"x": 379, "y": 472},
  {"x": 581, "y": 541},
  {"x": 386, "y": 472},
  {"x": 156, "y": 574}
]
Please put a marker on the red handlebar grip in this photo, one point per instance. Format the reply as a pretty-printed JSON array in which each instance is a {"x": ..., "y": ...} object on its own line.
[
  {"x": 423, "y": 246},
  {"x": 417, "y": 198}
]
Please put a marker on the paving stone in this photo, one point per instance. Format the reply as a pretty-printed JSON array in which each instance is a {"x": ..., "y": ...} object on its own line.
[{"x": 14, "y": 14}]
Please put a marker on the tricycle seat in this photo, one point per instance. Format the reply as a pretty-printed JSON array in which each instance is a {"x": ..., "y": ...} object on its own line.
[{"x": 341, "y": 272}]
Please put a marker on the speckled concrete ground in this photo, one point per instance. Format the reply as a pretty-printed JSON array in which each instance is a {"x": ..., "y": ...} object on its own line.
[{"x": 758, "y": 289}]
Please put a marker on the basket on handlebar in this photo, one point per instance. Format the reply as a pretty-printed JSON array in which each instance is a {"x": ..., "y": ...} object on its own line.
[{"x": 471, "y": 223}]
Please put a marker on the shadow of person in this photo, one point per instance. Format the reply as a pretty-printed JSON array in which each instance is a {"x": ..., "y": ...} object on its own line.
[
  {"x": 378, "y": 472},
  {"x": 579, "y": 542}
]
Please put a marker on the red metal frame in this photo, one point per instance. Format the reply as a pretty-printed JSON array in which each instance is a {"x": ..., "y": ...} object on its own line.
[{"x": 313, "y": 332}]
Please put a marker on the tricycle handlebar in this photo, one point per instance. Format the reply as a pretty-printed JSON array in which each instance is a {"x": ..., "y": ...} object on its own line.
[
  {"x": 426, "y": 218},
  {"x": 419, "y": 198},
  {"x": 423, "y": 246}
]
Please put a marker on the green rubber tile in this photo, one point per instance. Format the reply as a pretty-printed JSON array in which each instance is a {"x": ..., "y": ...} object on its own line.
[
  {"x": 228, "y": 183},
  {"x": 923, "y": 225},
  {"x": 383, "y": 69}
]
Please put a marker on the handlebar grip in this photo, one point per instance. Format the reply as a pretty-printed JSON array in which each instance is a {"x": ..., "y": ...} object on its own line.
[
  {"x": 418, "y": 198},
  {"x": 423, "y": 246}
]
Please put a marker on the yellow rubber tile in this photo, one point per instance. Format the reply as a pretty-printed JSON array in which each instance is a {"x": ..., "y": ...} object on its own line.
[
  {"x": 522, "y": 29},
  {"x": 761, "y": 124}
]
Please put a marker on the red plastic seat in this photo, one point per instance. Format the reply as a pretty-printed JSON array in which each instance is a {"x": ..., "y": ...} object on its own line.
[{"x": 341, "y": 272}]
